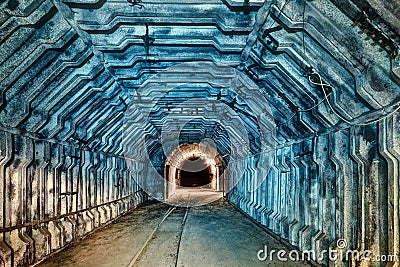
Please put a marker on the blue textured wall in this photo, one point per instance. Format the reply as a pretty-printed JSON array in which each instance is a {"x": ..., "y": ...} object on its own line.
[{"x": 70, "y": 70}]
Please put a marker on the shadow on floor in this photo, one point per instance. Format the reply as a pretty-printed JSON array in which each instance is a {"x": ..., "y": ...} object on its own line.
[{"x": 215, "y": 234}]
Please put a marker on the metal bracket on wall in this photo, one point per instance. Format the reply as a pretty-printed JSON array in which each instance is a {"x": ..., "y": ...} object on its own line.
[
  {"x": 395, "y": 72},
  {"x": 373, "y": 33},
  {"x": 64, "y": 194},
  {"x": 147, "y": 40},
  {"x": 137, "y": 3}
]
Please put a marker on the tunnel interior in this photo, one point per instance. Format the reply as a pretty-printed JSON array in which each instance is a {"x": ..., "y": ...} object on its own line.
[
  {"x": 294, "y": 103},
  {"x": 194, "y": 173}
]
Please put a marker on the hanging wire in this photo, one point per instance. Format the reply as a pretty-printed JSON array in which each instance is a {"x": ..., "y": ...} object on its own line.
[
  {"x": 307, "y": 109},
  {"x": 279, "y": 14},
  {"x": 304, "y": 53},
  {"x": 309, "y": 71},
  {"x": 303, "y": 34},
  {"x": 304, "y": 68},
  {"x": 324, "y": 86}
]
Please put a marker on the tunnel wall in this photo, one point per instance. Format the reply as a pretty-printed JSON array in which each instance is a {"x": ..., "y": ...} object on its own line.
[
  {"x": 52, "y": 194},
  {"x": 341, "y": 185},
  {"x": 69, "y": 69}
]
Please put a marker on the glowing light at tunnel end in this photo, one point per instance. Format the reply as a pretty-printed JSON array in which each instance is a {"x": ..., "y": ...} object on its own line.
[{"x": 137, "y": 125}]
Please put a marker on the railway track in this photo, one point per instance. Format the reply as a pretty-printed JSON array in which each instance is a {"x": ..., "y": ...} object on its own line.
[{"x": 135, "y": 260}]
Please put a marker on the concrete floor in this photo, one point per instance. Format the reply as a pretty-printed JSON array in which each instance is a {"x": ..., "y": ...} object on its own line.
[
  {"x": 215, "y": 234},
  {"x": 188, "y": 197}
]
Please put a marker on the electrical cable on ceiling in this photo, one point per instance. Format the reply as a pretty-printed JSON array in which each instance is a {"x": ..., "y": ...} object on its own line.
[
  {"x": 279, "y": 14},
  {"x": 304, "y": 51},
  {"x": 303, "y": 34},
  {"x": 309, "y": 72},
  {"x": 305, "y": 70},
  {"x": 307, "y": 109},
  {"x": 324, "y": 86}
]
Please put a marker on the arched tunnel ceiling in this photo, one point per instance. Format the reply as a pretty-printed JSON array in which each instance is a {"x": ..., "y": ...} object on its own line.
[{"x": 69, "y": 69}]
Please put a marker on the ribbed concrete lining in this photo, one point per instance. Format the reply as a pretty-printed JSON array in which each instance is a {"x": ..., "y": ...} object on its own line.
[
  {"x": 68, "y": 70},
  {"x": 53, "y": 194},
  {"x": 338, "y": 185}
]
